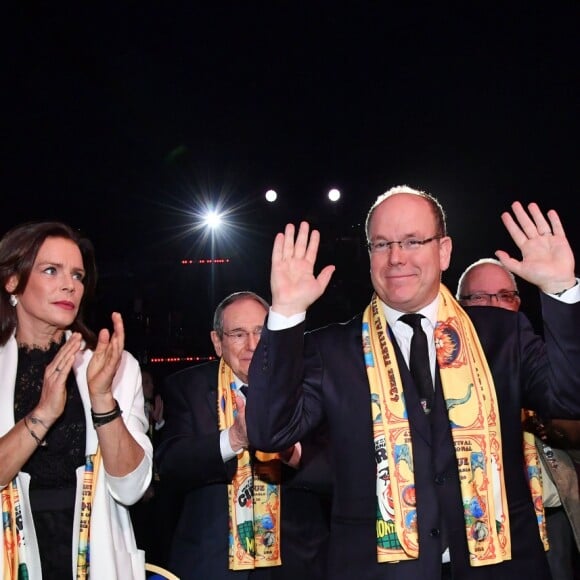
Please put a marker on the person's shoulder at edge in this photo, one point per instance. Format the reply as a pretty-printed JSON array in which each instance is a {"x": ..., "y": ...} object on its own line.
[{"x": 200, "y": 368}]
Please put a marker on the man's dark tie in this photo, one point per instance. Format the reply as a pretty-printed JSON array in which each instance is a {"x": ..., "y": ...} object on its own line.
[
  {"x": 419, "y": 360},
  {"x": 244, "y": 389}
]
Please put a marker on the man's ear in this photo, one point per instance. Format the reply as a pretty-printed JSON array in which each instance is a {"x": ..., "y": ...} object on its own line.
[
  {"x": 445, "y": 247},
  {"x": 11, "y": 284},
  {"x": 217, "y": 343}
]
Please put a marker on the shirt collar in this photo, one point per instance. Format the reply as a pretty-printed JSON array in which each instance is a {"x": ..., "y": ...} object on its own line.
[{"x": 429, "y": 312}]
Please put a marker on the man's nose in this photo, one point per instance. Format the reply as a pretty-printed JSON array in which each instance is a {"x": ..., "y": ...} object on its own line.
[
  {"x": 396, "y": 253},
  {"x": 253, "y": 339}
]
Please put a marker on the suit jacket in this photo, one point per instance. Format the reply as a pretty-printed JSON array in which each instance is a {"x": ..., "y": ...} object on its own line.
[
  {"x": 323, "y": 375},
  {"x": 189, "y": 459}
]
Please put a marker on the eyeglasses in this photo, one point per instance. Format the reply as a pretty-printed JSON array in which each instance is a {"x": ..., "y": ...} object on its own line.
[
  {"x": 241, "y": 336},
  {"x": 484, "y": 298},
  {"x": 408, "y": 245}
]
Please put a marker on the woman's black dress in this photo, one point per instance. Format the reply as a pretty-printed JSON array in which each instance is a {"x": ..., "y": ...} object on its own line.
[{"x": 52, "y": 468}]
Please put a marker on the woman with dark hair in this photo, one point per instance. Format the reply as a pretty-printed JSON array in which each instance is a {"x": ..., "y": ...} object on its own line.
[{"x": 74, "y": 451}]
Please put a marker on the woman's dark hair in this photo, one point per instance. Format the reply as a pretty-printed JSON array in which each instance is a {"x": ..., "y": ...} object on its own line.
[{"x": 18, "y": 250}]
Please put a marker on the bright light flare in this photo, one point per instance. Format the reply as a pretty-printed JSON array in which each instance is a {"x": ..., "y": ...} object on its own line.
[
  {"x": 212, "y": 219},
  {"x": 334, "y": 195},
  {"x": 271, "y": 196}
]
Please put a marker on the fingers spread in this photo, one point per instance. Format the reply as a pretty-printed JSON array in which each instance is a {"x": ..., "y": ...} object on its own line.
[
  {"x": 288, "y": 242},
  {"x": 557, "y": 227},
  {"x": 301, "y": 245},
  {"x": 312, "y": 249},
  {"x": 541, "y": 226},
  {"x": 529, "y": 225},
  {"x": 526, "y": 225},
  {"x": 325, "y": 276},
  {"x": 278, "y": 248}
]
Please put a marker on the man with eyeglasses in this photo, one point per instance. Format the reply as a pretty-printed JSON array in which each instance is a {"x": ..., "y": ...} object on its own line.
[
  {"x": 246, "y": 514},
  {"x": 486, "y": 282},
  {"x": 422, "y": 488}
]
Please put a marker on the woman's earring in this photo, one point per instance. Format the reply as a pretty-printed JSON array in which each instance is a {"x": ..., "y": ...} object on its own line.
[{"x": 13, "y": 300}]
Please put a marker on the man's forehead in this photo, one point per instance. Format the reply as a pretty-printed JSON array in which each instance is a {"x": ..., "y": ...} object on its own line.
[
  {"x": 245, "y": 312},
  {"x": 403, "y": 211},
  {"x": 489, "y": 273}
]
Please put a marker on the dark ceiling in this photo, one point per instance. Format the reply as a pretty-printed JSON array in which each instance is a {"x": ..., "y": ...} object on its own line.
[{"x": 124, "y": 119}]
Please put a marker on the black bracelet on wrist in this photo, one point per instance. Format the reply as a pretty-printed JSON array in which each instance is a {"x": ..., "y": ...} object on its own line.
[
  {"x": 100, "y": 419},
  {"x": 39, "y": 442},
  {"x": 37, "y": 421}
]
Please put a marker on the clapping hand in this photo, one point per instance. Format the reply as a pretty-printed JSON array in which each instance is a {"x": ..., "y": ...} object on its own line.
[
  {"x": 106, "y": 360},
  {"x": 238, "y": 432},
  {"x": 53, "y": 395}
]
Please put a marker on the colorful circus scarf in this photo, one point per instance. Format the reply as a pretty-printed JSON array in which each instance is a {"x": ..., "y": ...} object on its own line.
[
  {"x": 15, "y": 567},
  {"x": 253, "y": 494},
  {"x": 92, "y": 463},
  {"x": 471, "y": 403},
  {"x": 534, "y": 476}
]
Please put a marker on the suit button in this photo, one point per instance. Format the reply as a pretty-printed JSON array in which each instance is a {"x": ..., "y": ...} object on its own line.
[
  {"x": 434, "y": 533},
  {"x": 439, "y": 479}
]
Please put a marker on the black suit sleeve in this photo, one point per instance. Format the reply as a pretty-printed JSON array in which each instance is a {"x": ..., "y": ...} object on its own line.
[
  {"x": 314, "y": 472},
  {"x": 284, "y": 402},
  {"x": 189, "y": 454},
  {"x": 542, "y": 375}
]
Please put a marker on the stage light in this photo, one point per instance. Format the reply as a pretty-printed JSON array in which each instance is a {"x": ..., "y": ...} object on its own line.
[
  {"x": 212, "y": 219},
  {"x": 271, "y": 196},
  {"x": 334, "y": 195}
]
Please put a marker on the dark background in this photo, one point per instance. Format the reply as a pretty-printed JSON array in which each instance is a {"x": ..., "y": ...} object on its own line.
[{"x": 127, "y": 119}]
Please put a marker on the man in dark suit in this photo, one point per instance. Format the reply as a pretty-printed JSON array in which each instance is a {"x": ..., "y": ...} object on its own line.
[
  {"x": 424, "y": 486},
  {"x": 204, "y": 456},
  {"x": 487, "y": 282}
]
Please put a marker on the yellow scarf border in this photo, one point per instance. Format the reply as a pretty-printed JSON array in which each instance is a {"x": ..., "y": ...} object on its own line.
[
  {"x": 92, "y": 464},
  {"x": 534, "y": 476},
  {"x": 472, "y": 407},
  {"x": 15, "y": 567},
  {"x": 14, "y": 536},
  {"x": 253, "y": 494}
]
